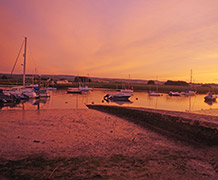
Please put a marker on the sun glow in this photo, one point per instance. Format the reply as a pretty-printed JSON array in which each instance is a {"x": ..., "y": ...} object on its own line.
[{"x": 113, "y": 39}]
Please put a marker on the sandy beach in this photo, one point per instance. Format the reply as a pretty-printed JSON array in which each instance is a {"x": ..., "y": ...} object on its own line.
[{"x": 87, "y": 144}]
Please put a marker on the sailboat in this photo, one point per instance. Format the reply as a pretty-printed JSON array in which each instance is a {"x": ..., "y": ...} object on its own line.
[
  {"x": 22, "y": 91},
  {"x": 189, "y": 92},
  {"x": 154, "y": 93}
]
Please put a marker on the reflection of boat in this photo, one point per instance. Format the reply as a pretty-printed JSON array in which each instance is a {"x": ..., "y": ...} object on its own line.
[
  {"x": 210, "y": 97},
  {"x": 188, "y": 93},
  {"x": 152, "y": 93},
  {"x": 8, "y": 104},
  {"x": 74, "y": 90},
  {"x": 171, "y": 93},
  {"x": 118, "y": 96},
  {"x": 210, "y": 102}
]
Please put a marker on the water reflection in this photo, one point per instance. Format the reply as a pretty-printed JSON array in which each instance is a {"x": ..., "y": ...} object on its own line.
[
  {"x": 61, "y": 100},
  {"x": 8, "y": 105},
  {"x": 210, "y": 102},
  {"x": 25, "y": 104}
]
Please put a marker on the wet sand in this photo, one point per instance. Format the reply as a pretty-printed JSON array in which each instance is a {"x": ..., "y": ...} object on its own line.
[{"x": 87, "y": 144}]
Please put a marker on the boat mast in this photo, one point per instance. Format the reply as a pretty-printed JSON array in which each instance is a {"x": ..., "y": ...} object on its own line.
[
  {"x": 24, "y": 64},
  {"x": 191, "y": 77}
]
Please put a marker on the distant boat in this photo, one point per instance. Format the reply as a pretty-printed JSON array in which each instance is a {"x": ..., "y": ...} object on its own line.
[
  {"x": 126, "y": 90},
  {"x": 152, "y": 93},
  {"x": 171, "y": 93},
  {"x": 84, "y": 88},
  {"x": 210, "y": 97},
  {"x": 74, "y": 90},
  {"x": 188, "y": 93},
  {"x": 51, "y": 88},
  {"x": 118, "y": 96}
]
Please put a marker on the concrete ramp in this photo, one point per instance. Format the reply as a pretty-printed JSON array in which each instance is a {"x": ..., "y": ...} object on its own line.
[{"x": 200, "y": 128}]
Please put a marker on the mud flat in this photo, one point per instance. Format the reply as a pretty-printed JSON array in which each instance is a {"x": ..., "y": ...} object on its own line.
[{"x": 88, "y": 144}]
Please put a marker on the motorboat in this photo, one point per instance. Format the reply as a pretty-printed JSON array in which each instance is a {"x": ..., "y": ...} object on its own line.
[
  {"x": 171, "y": 93},
  {"x": 74, "y": 90},
  {"x": 118, "y": 96},
  {"x": 210, "y": 97}
]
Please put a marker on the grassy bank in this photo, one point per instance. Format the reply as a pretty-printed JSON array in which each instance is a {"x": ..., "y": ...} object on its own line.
[{"x": 118, "y": 166}]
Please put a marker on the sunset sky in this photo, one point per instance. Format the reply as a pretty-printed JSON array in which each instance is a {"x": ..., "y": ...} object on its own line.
[{"x": 146, "y": 39}]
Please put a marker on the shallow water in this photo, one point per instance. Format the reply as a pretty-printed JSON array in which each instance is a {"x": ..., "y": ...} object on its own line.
[{"x": 61, "y": 100}]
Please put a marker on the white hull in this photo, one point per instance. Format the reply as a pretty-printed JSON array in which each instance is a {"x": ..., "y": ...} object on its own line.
[
  {"x": 84, "y": 88},
  {"x": 174, "y": 93}
]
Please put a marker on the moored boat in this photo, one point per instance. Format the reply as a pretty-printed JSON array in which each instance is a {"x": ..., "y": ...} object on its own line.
[
  {"x": 171, "y": 93},
  {"x": 22, "y": 92},
  {"x": 188, "y": 93},
  {"x": 74, "y": 90},
  {"x": 152, "y": 93},
  {"x": 118, "y": 96},
  {"x": 126, "y": 91},
  {"x": 84, "y": 88}
]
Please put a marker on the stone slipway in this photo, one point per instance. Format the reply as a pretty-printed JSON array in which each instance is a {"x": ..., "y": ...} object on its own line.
[{"x": 197, "y": 127}]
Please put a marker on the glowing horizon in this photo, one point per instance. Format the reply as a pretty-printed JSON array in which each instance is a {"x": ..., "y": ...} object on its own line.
[{"x": 112, "y": 39}]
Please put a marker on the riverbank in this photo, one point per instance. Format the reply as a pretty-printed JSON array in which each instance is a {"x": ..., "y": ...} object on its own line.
[
  {"x": 119, "y": 84},
  {"x": 87, "y": 144}
]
